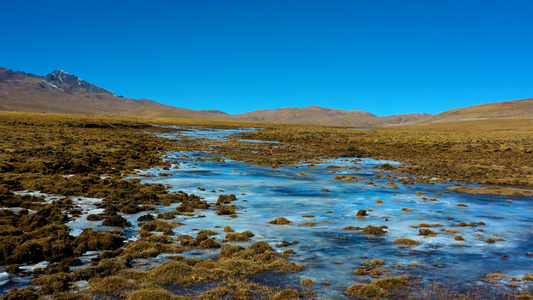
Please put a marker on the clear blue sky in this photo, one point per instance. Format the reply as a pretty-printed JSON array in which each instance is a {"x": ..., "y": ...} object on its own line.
[{"x": 384, "y": 57}]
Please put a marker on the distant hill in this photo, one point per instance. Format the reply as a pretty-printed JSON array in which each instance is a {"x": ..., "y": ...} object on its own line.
[
  {"x": 495, "y": 110},
  {"x": 60, "y": 92},
  {"x": 326, "y": 116}
]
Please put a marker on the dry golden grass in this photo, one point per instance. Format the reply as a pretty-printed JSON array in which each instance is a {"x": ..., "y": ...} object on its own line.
[
  {"x": 36, "y": 149},
  {"x": 491, "y": 152},
  {"x": 492, "y": 190},
  {"x": 280, "y": 221},
  {"x": 406, "y": 241},
  {"x": 366, "y": 291}
]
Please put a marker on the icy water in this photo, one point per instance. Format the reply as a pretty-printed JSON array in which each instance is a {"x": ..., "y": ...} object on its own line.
[{"x": 330, "y": 253}]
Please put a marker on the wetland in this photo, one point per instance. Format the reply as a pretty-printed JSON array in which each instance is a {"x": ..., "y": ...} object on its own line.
[{"x": 96, "y": 207}]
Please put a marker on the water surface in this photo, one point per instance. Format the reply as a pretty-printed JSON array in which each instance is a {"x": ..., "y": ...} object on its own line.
[{"x": 330, "y": 253}]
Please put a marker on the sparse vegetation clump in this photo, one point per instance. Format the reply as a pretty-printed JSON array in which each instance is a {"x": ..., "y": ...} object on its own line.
[
  {"x": 145, "y": 218},
  {"x": 360, "y": 272},
  {"x": 362, "y": 290},
  {"x": 406, "y": 241},
  {"x": 351, "y": 228},
  {"x": 496, "y": 275},
  {"x": 159, "y": 226},
  {"x": 280, "y": 221},
  {"x": 375, "y": 230},
  {"x": 228, "y": 229},
  {"x": 392, "y": 282},
  {"x": 308, "y": 224},
  {"x": 361, "y": 212},
  {"x": 383, "y": 287},
  {"x": 226, "y": 199},
  {"x": 288, "y": 294},
  {"x": 426, "y": 232},
  {"x": 226, "y": 210},
  {"x": 528, "y": 277},
  {"x": 239, "y": 236},
  {"x": 115, "y": 221}
]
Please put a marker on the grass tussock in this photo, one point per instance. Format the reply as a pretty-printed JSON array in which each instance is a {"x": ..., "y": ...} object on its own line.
[
  {"x": 406, "y": 241},
  {"x": 280, "y": 221},
  {"x": 308, "y": 224},
  {"x": 379, "y": 288},
  {"x": 238, "y": 236},
  {"x": 426, "y": 232},
  {"x": 375, "y": 230},
  {"x": 366, "y": 291}
]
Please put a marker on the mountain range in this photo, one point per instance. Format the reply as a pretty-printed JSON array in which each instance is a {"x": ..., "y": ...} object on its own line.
[{"x": 60, "y": 92}]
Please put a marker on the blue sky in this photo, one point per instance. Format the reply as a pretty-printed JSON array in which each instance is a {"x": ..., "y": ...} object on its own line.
[{"x": 384, "y": 57}]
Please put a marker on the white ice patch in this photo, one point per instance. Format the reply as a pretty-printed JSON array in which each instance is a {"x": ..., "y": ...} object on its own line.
[
  {"x": 4, "y": 278},
  {"x": 31, "y": 268}
]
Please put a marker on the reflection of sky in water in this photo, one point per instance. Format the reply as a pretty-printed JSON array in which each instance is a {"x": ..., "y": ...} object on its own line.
[{"x": 295, "y": 191}]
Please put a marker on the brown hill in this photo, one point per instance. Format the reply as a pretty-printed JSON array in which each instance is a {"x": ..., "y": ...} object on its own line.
[
  {"x": 59, "y": 92},
  {"x": 487, "y": 111},
  {"x": 326, "y": 116}
]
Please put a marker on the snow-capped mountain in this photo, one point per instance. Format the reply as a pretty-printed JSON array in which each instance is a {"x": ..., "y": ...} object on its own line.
[{"x": 60, "y": 77}]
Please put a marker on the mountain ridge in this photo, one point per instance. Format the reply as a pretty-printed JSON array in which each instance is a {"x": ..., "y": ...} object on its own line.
[
  {"x": 485, "y": 111},
  {"x": 317, "y": 115},
  {"x": 61, "y": 92},
  {"x": 60, "y": 77}
]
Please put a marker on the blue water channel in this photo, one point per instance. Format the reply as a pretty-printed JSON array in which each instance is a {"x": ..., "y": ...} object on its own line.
[{"x": 330, "y": 253}]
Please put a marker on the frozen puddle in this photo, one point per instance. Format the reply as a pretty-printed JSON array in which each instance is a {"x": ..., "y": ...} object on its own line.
[{"x": 499, "y": 242}]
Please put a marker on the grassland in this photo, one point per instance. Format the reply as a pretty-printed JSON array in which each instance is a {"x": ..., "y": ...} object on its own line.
[
  {"x": 78, "y": 155},
  {"x": 90, "y": 156},
  {"x": 493, "y": 152}
]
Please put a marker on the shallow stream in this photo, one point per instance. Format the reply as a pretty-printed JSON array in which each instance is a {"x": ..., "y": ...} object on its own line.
[{"x": 330, "y": 253}]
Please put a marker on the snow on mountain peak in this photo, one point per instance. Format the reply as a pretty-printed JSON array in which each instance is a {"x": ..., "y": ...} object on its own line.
[{"x": 64, "y": 77}]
